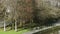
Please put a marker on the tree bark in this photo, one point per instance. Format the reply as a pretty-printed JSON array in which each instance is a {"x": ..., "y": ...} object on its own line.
[
  {"x": 4, "y": 26},
  {"x": 15, "y": 25},
  {"x": 12, "y": 26}
]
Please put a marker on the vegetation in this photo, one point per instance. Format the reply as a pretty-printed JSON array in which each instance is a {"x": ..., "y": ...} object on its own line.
[
  {"x": 27, "y": 14},
  {"x": 13, "y": 32},
  {"x": 46, "y": 13}
]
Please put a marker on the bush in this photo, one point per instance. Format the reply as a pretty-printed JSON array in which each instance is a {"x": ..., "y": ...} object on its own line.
[{"x": 46, "y": 14}]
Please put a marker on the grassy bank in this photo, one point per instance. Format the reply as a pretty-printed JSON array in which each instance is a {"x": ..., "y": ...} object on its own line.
[{"x": 20, "y": 31}]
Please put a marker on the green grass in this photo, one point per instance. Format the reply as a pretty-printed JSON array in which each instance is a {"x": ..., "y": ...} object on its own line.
[
  {"x": 13, "y": 32},
  {"x": 20, "y": 31}
]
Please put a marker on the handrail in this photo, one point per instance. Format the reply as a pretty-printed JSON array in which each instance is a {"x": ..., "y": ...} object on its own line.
[
  {"x": 48, "y": 29},
  {"x": 45, "y": 30}
]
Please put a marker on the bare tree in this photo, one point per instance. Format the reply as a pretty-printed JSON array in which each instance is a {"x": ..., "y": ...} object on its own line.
[
  {"x": 4, "y": 26},
  {"x": 4, "y": 22},
  {"x": 15, "y": 25}
]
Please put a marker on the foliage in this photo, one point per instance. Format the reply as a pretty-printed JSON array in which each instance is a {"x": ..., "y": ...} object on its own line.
[{"x": 46, "y": 13}]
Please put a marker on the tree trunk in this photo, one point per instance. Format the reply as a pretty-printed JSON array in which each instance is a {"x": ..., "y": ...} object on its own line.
[
  {"x": 4, "y": 26},
  {"x": 12, "y": 26},
  {"x": 15, "y": 26}
]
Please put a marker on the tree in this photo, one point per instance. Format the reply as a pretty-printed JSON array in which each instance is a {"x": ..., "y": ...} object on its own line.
[
  {"x": 46, "y": 13},
  {"x": 15, "y": 25},
  {"x": 4, "y": 26},
  {"x": 5, "y": 22},
  {"x": 24, "y": 11}
]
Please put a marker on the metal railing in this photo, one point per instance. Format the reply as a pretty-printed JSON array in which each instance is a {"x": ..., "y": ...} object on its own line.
[{"x": 49, "y": 30}]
